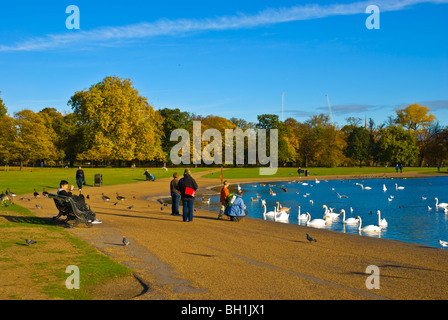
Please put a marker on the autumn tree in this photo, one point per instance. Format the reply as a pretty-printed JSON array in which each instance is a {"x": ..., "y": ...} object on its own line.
[
  {"x": 34, "y": 140},
  {"x": 118, "y": 123},
  {"x": 359, "y": 145}
]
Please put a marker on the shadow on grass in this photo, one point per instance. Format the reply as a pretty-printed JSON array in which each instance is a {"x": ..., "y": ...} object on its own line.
[{"x": 30, "y": 220}]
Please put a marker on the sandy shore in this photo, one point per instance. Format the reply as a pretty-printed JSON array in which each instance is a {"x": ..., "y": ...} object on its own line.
[{"x": 252, "y": 259}]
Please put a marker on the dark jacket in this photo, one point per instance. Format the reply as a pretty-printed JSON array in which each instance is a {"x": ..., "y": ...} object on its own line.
[
  {"x": 80, "y": 174},
  {"x": 187, "y": 181}
]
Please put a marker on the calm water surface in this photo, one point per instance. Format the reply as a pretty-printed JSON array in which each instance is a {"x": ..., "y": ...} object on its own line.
[{"x": 408, "y": 216}]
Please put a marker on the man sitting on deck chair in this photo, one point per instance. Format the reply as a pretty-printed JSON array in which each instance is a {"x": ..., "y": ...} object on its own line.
[
  {"x": 79, "y": 200},
  {"x": 238, "y": 210}
]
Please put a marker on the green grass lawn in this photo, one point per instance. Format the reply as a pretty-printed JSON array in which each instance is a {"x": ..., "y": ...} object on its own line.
[
  {"x": 289, "y": 172},
  {"x": 40, "y": 268},
  {"x": 25, "y": 181}
]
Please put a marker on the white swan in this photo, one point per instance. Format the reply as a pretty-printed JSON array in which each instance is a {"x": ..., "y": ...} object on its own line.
[
  {"x": 381, "y": 222},
  {"x": 315, "y": 222},
  {"x": 302, "y": 216},
  {"x": 349, "y": 220},
  {"x": 281, "y": 216},
  {"x": 443, "y": 204},
  {"x": 270, "y": 213},
  {"x": 329, "y": 213},
  {"x": 384, "y": 188},
  {"x": 369, "y": 228},
  {"x": 398, "y": 188},
  {"x": 362, "y": 186},
  {"x": 443, "y": 243}
]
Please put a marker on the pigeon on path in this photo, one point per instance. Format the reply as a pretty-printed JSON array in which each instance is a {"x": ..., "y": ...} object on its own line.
[
  {"x": 310, "y": 238},
  {"x": 30, "y": 241},
  {"x": 125, "y": 241}
]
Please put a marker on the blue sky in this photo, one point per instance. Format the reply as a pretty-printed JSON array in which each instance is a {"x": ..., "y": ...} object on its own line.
[{"x": 231, "y": 58}]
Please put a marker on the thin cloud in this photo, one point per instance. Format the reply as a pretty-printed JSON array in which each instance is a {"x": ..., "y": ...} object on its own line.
[{"x": 107, "y": 35}]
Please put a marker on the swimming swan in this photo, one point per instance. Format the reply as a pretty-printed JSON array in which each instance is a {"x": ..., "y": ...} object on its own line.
[
  {"x": 381, "y": 222},
  {"x": 270, "y": 213},
  {"x": 281, "y": 216},
  {"x": 369, "y": 228},
  {"x": 398, "y": 188},
  {"x": 315, "y": 222},
  {"x": 280, "y": 208},
  {"x": 329, "y": 213},
  {"x": 302, "y": 216},
  {"x": 349, "y": 220},
  {"x": 443, "y": 204}
]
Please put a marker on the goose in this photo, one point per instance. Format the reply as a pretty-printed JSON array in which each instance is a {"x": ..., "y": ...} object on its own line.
[
  {"x": 369, "y": 228},
  {"x": 258, "y": 196},
  {"x": 45, "y": 193},
  {"x": 120, "y": 198},
  {"x": 349, "y": 220},
  {"x": 280, "y": 208},
  {"x": 36, "y": 194},
  {"x": 105, "y": 198},
  {"x": 443, "y": 204},
  {"x": 9, "y": 193},
  {"x": 302, "y": 216},
  {"x": 381, "y": 222},
  {"x": 384, "y": 188},
  {"x": 443, "y": 243},
  {"x": 315, "y": 222},
  {"x": 329, "y": 213},
  {"x": 398, "y": 188},
  {"x": 253, "y": 200}
]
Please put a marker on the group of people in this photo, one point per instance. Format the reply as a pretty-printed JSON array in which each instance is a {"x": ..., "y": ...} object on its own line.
[
  {"x": 181, "y": 189},
  {"x": 185, "y": 189}
]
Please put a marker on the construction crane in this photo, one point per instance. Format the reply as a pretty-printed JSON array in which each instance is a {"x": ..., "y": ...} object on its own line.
[{"x": 329, "y": 109}]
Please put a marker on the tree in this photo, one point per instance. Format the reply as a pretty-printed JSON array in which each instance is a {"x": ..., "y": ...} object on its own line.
[
  {"x": 414, "y": 118},
  {"x": 396, "y": 145},
  {"x": 34, "y": 140},
  {"x": 358, "y": 145},
  {"x": 173, "y": 119},
  {"x": 3, "y": 109},
  {"x": 117, "y": 123},
  {"x": 271, "y": 121}
]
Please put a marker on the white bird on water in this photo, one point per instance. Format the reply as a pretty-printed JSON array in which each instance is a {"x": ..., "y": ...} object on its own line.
[
  {"x": 329, "y": 213},
  {"x": 443, "y": 204},
  {"x": 270, "y": 213},
  {"x": 398, "y": 188},
  {"x": 349, "y": 220},
  {"x": 384, "y": 188},
  {"x": 369, "y": 228},
  {"x": 315, "y": 222},
  {"x": 381, "y": 222},
  {"x": 302, "y": 216}
]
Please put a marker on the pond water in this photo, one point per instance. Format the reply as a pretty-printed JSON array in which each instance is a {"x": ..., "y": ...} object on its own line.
[{"x": 411, "y": 213}]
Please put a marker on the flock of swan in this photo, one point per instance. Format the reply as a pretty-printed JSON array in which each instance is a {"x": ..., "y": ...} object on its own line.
[{"x": 282, "y": 214}]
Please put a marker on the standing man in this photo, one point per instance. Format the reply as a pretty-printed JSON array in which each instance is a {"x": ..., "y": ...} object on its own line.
[
  {"x": 175, "y": 194},
  {"x": 187, "y": 187},
  {"x": 80, "y": 178},
  {"x": 223, "y": 197}
]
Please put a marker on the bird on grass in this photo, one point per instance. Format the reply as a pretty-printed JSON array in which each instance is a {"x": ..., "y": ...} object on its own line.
[
  {"x": 310, "y": 238},
  {"x": 131, "y": 207},
  {"x": 125, "y": 241},
  {"x": 120, "y": 198},
  {"x": 105, "y": 198},
  {"x": 36, "y": 194},
  {"x": 116, "y": 203},
  {"x": 45, "y": 193},
  {"x": 38, "y": 206},
  {"x": 30, "y": 241}
]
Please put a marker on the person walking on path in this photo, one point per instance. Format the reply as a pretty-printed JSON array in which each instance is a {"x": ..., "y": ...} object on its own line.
[
  {"x": 238, "y": 210},
  {"x": 187, "y": 187},
  {"x": 175, "y": 194},
  {"x": 223, "y": 197},
  {"x": 80, "y": 178}
]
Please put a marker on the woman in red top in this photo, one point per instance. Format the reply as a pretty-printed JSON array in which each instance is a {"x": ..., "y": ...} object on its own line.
[{"x": 224, "y": 194}]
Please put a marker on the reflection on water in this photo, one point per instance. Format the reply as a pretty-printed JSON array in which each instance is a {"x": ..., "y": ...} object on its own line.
[{"x": 410, "y": 212}]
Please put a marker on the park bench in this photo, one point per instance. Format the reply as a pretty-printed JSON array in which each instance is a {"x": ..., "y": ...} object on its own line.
[{"x": 68, "y": 207}]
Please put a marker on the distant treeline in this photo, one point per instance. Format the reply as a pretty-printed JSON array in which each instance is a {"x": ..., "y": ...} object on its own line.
[{"x": 112, "y": 124}]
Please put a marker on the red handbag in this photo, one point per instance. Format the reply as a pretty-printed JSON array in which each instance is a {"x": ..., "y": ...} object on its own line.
[{"x": 189, "y": 191}]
